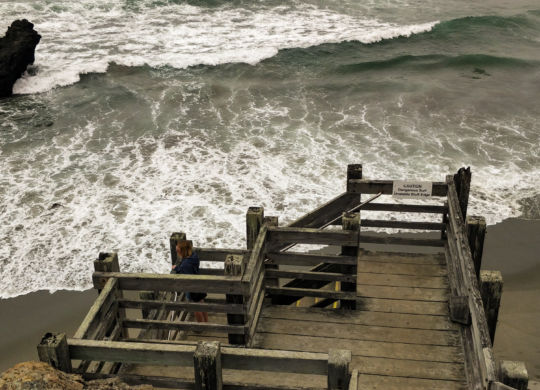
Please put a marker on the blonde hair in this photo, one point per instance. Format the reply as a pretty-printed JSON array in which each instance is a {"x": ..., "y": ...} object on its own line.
[{"x": 184, "y": 248}]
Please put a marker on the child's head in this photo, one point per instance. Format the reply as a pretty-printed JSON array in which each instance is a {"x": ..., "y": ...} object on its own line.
[{"x": 184, "y": 248}]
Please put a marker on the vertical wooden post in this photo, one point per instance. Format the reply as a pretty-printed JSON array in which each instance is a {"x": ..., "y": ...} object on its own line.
[
  {"x": 338, "y": 369},
  {"x": 354, "y": 171},
  {"x": 173, "y": 240},
  {"x": 463, "y": 185},
  {"x": 108, "y": 262},
  {"x": 207, "y": 366},
  {"x": 254, "y": 222},
  {"x": 514, "y": 374},
  {"x": 273, "y": 282},
  {"x": 444, "y": 221},
  {"x": 53, "y": 349},
  {"x": 234, "y": 266},
  {"x": 476, "y": 232},
  {"x": 491, "y": 285},
  {"x": 350, "y": 221}
]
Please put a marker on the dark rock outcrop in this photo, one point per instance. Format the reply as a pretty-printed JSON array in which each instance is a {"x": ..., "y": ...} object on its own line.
[
  {"x": 41, "y": 376},
  {"x": 16, "y": 53}
]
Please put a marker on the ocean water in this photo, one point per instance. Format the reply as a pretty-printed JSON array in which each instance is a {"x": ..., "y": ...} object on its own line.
[{"x": 144, "y": 117}]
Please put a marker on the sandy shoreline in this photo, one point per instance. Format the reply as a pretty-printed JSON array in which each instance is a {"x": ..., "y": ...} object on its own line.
[{"x": 511, "y": 247}]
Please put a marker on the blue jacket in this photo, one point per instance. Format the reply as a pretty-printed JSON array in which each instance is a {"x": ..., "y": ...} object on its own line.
[{"x": 188, "y": 266}]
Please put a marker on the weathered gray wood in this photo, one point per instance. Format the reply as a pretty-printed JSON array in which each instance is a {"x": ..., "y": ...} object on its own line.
[
  {"x": 99, "y": 309},
  {"x": 379, "y": 223},
  {"x": 462, "y": 181},
  {"x": 175, "y": 354},
  {"x": 256, "y": 257},
  {"x": 254, "y": 222},
  {"x": 146, "y": 305},
  {"x": 406, "y": 208},
  {"x": 476, "y": 232},
  {"x": 411, "y": 293},
  {"x": 207, "y": 366},
  {"x": 307, "y": 275},
  {"x": 390, "y": 240},
  {"x": 491, "y": 285},
  {"x": 403, "y": 258},
  {"x": 514, "y": 374},
  {"x": 107, "y": 262},
  {"x": 307, "y": 259},
  {"x": 338, "y": 369},
  {"x": 53, "y": 349},
  {"x": 304, "y": 292},
  {"x": 234, "y": 266},
  {"x": 354, "y": 172},
  {"x": 184, "y": 325},
  {"x": 385, "y": 186},
  {"x": 270, "y": 280},
  {"x": 459, "y": 309},
  {"x": 311, "y": 236},
  {"x": 173, "y": 240},
  {"x": 353, "y": 383},
  {"x": 401, "y": 268},
  {"x": 254, "y": 315},
  {"x": 400, "y": 383},
  {"x": 372, "y": 279},
  {"x": 171, "y": 282},
  {"x": 350, "y": 222},
  {"x": 217, "y": 254},
  {"x": 499, "y": 386}
]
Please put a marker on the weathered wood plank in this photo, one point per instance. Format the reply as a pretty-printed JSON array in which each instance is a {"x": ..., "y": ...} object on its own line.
[
  {"x": 184, "y": 325},
  {"x": 177, "y": 306},
  {"x": 410, "y": 293},
  {"x": 379, "y": 382},
  {"x": 381, "y": 349},
  {"x": 376, "y": 279},
  {"x": 403, "y": 258},
  {"x": 359, "y": 332},
  {"x": 305, "y": 292},
  {"x": 401, "y": 269},
  {"x": 98, "y": 310},
  {"x": 405, "y": 208},
  {"x": 307, "y": 259},
  {"x": 385, "y": 186},
  {"x": 170, "y": 282},
  {"x": 217, "y": 254},
  {"x": 328, "y": 276},
  {"x": 395, "y": 320},
  {"x": 390, "y": 240},
  {"x": 403, "y": 306},
  {"x": 381, "y": 223},
  {"x": 280, "y": 235},
  {"x": 257, "y": 255}
]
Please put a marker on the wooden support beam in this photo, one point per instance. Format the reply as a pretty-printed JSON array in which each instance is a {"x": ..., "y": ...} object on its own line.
[
  {"x": 308, "y": 275},
  {"x": 491, "y": 286},
  {"x": 207, "y": 366},
  {"x": 53, "y": 349},
  {"x": 173, "y": 240},
  {"x": 380, "y": 223},
  {"x": 311, "y": 236},
  {"x": 184, "y": 325},
  {"x": 150, "y": 304},
  {"x": 350, "y": 222},
  {"x": 217, "y": 254},
  {"x": 234, "y": 266},
  {"x": 354, "y": 171},
  {"x": 271, "y": 281},
  {"x": 338, "y": 369},
  {"x": 462, "y": 179},
  {"x": 107, "y": 262},
  {"x": 305, "y": 292},
  {"x": 254, "y": 222},
  {"x": 98, "y": 311},
  {"x": 514, "y": 374},
  {"x": 307, "y": 259},
  {"x": 406, "y": 208},
  {"x": 476, "y": 232}
]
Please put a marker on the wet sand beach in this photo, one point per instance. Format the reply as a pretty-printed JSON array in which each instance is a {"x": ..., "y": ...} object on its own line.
[{"x": 511, "y": 247}]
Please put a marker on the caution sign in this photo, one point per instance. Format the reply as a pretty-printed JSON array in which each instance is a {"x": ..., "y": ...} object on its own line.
[{"x": 412, "y": 189}]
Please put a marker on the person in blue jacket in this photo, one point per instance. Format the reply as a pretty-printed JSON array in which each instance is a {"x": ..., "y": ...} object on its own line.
[{"x": 189, "y": 265}]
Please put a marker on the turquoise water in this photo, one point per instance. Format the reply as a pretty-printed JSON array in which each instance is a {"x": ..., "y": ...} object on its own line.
[{"x": 141, "y": 118}]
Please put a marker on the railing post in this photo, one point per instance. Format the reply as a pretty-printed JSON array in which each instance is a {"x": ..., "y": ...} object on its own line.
[
  {"x": 234, "y": 266},
  {"x": 173, "y": 240},
  {"x": 476, "y": 232},
  {"x": 108, "y": 262},
  {"x": 272, "y": 282},
  {"x": 53, "y": 349},
  {"x": 514, "y": 374},
  {"x": 491, "y": 285},
  {"x": 354, "y": 171},
  {"x": 463, "y": 185},
  {"x": 350, "y": 221},
  {"x": 254, "y": 222},
  {"x": 338, "y": 369},
  {"x": 207, "y": 366}
]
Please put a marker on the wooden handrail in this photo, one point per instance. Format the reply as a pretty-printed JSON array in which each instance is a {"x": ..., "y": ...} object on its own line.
[{"x": 386, "y": 186}]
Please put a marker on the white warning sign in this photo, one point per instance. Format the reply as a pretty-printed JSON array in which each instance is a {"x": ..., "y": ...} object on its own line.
[{"x": 412, "y": 189}]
